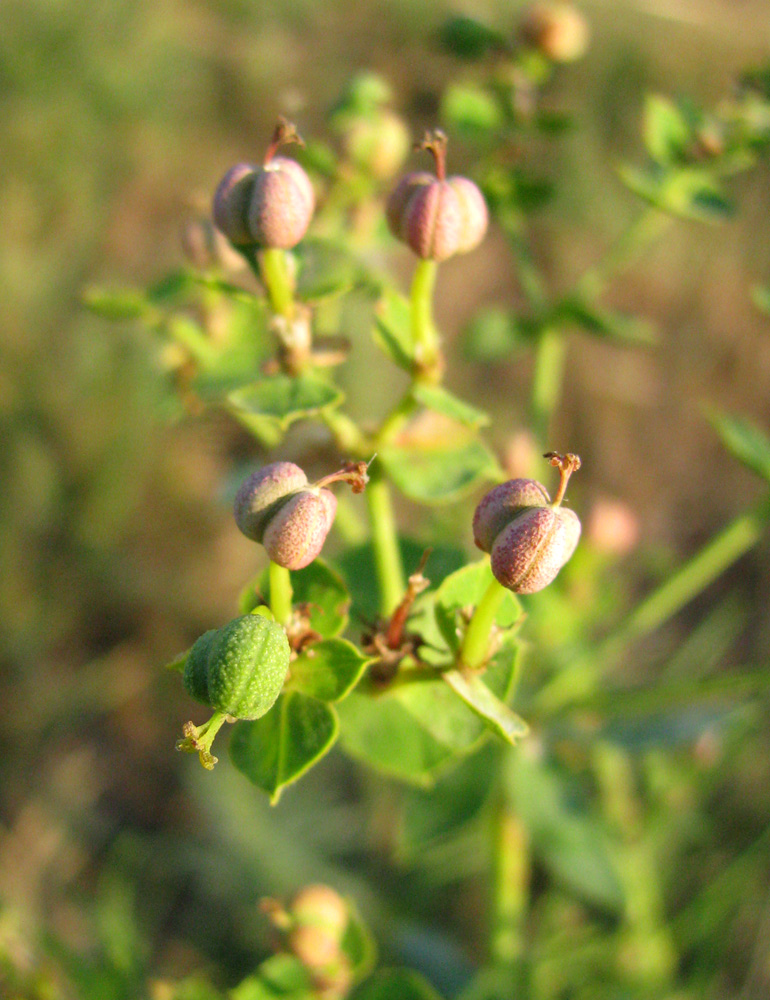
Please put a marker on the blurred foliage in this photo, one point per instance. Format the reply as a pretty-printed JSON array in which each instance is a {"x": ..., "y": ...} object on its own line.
[{"x": 123, "y": 871}]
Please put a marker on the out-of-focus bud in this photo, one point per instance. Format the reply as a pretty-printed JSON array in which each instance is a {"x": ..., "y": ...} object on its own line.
[
  {"x": 556, "y": 30},
  {"x": 612, "y": 527},
  {"x": 378, "y": 144}
]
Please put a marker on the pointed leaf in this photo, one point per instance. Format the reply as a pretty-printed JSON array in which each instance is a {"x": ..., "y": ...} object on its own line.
[
  {"x": 470, "y": 112},
  {"x": 468, "y": 38},
  {"x": 392, "y": 330},
  {"x": 282, "y": 399},
  {"x": 120, "y": 304},
  {"x": 328, "y": 670},
  {"x": 605, "y": 322},
  {"x": 666, "y": 131},
  {"x": 477, "y": 696},
  {"x": 440, "y": 474},
  {"x": 440, "y": 400},
  {"x": 280, "y": 747},
  {"x": 280, "y": 977},
  {"x": 745, "y": 440}
]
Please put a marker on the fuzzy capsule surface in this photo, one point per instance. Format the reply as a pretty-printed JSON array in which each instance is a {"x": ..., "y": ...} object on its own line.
[
  {"x": 262, "y": 493},
  {"x": 501, "y": 505},
  {"x": 281, "y": 204},
  {"x": 529, "y": 552},
  {"x": 294, "y": 534},
  {"x": 231, "y": 203},
  {"x": 399, "y": 199},
  {"x": 240, "y": 668},
  {"x": 437, "y": 218}
]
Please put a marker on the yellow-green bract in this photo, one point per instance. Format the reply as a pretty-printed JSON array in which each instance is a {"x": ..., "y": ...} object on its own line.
[{"x": 240, "y": 668}]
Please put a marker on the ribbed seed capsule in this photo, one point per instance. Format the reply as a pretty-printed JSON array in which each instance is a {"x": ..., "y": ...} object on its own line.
[
  {"x": 294, "y": 535},
  {"x": 231, "y": 203},
  {"x": 529, "y": 538},
  {"x": 281, "y": 205},
  {"x": 262, "y": 493}
]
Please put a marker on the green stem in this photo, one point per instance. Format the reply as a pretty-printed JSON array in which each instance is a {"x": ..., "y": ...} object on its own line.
[
  {"x": 278, "y": 285},
  {"x": 475, "y": 647},
  {"x": 546, "y": 383},
  {"x": 281, "y": 593},
  {"x": 395, "y": 420},
  {"x": 648, "y": 225},
  {"x": 387, "y": 554},
  {"x": 424, "y": 334},
  {"x": 510, "y": 883},
  {"x": 349, "y": 439}
]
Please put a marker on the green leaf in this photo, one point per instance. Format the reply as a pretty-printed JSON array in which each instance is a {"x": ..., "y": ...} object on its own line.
[
  {"x": 414, "y": 731},
  {"x": 604, "y": 322},
  {"x": 477, "y": 696},
  {"x": 440, "y": 400},
  {"x": 358, "y": 945},
  {"x": 494, "y": 333},
  {"x": 689, "y": 192},
  {"x": 460, "y": 593},
  {"x": 470, "y": 112},
  {"x": 468, "y": 38},
  {"x": 246, "y": 343},
  {"x": 179, "y": 662},
  {"x": 124, "y": 303},
  {"x": 280, "y": 977},
  {"x": 760, "y": 296},
  {"x": 441, "y": 473},
  {"x": 567, "y": 839},
  {"x": 666, "y": 132},
  {"x": 392, "y": 330},
  {"x": 326, "y": 269},
  {"x": 280, "y": 747},
  {"x": 328, "y": 670},
  {"x": 318, "y": 586},
  {"x": 396, "y": 984},
  {"x": 281, "y": 399},
  {"x": 743, "y": 439},
  {"x": 455, "y": 800}
]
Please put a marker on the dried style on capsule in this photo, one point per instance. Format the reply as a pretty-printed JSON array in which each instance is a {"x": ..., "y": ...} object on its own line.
[
  {"x": 268, "y": 206},
  {"x": 435, "y": 215},
  {"x": 289, "y": 516},
  {"x": 529, "y": 537}
]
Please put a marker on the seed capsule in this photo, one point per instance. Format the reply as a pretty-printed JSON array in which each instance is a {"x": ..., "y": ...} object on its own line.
[
  {"x": 295, "y": 533},
  {"x": 268, "y": 206},
  {"x": 262, "y": 493},
  {"x": 434, "y": 215},
  {"x": 240, "y": 668},
  {"x": 529, "y": 538},
  {"x": 557, "y": 30}
]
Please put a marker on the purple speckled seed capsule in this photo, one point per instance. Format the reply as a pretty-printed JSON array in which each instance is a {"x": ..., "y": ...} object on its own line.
[
  {"x": 501, "y": 505},
  {"x": 294, "y": 535},
  {"x": 262, "y": 494},
  {"x": 530, "y": 551},
  {"x": 281, "y": 205},
  {"x": 231, "y": 203}
]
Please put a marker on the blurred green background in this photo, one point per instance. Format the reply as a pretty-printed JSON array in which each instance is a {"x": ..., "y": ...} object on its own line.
[{"x": 121, "y": 862}]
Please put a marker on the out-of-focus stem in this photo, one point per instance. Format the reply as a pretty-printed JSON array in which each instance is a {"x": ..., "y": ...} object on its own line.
[
  {"x": 546, "y": 383},
  {"x": 275, "y": 276},
  {"x": 387, "y": 554},
  {"x": 510, "y": 884},
  {"x": 424, "y": 334}
]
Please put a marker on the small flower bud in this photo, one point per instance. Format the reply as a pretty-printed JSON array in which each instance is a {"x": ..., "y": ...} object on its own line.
[
  {"x": 437, "y": 216},
  {"x": 378, "y": 143},
  {"x": 262, "y": 491},
  {"x": 321, "y": 905},
  {"x": 294, "y": 535},
  {"x": 231, "y": 203},
  {"x": 557, "y": 30},
  {"x": 529, "y": 538}
]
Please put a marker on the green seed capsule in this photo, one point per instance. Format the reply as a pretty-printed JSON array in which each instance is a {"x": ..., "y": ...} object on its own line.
[{"x": 240, "y": 668}]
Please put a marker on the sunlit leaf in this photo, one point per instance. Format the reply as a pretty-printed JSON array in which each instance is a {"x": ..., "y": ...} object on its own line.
[{"x": 328, "y": 670}]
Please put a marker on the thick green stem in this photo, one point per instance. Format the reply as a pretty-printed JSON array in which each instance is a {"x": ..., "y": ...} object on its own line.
[
  {"x": 275, "y": 276},
  {"x": 424, "y": 333},
  {"x": 387, "y": 554},
  {"x": 475, "y": 648},
  {"x": 281, "y": 593},
  {"x": 546, "y": 383},
  {"x": 510, "y": 885}
]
